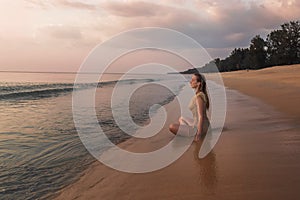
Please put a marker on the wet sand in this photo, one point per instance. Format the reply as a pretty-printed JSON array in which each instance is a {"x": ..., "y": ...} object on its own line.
[{"x": 256, "y": 157}]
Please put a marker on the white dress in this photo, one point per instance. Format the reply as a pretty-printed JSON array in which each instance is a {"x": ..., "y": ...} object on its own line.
[{"x": 191, "y": 128}]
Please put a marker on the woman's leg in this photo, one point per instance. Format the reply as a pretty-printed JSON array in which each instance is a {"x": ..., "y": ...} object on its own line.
[
  {"x": 185, "y": 130},
  {"x": 174, "y": 128},
  {"x": 205, "y": 129}
]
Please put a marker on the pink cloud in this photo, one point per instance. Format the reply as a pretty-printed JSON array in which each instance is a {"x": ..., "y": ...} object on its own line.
[
  {"x": 132, "y": 9},
  {"x": 77, "y": 5},
  {"x": 79, "y": 25},
  {"x": 61, "y": 32},
  {"x": 61, "y": 4},
  {"x": 215, "y": 24},
  {"x": 142, "y": 14}
]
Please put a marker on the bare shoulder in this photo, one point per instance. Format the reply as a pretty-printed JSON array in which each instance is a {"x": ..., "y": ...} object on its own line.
[
  {"x": 201, "y": 96},
  {"x": 199, "y": 99}
]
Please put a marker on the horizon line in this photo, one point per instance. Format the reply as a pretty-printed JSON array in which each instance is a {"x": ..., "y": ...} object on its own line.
[{"x": 65, "y": 72}]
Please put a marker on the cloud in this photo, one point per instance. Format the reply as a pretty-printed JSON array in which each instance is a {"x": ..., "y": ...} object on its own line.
[
  {"x": 76, "y": 5},
  {"x": 66, "y": 36},
  {"x": 37, "y": 3},
  {"x": 61, "y": 32},
  {"x": 216, "y": 24},
  {"x": 132, "y": 9},
  {"x": 62, "y": 4},
  {"x": 235, "y": 37}
]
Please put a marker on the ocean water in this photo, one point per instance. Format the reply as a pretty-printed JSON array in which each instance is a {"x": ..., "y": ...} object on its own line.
[{"x": 40, "y": 151}]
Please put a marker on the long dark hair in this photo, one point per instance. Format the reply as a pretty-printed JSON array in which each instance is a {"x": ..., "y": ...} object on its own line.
[{"x": 202, "y": 88}]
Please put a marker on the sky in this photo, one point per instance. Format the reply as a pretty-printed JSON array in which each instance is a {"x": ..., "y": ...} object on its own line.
[{"x": 57, "y": 35}]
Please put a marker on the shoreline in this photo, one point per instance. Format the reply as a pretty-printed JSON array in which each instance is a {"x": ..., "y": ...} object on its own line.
[{"x": 238, "y": 167}]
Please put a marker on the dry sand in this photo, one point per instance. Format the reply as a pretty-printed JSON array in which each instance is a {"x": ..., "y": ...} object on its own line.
[
  {"x": 257, "y": 156},
  {"x": 277, "y": 86}
]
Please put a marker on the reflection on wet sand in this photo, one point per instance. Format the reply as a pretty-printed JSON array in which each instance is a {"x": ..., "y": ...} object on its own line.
[{"x": 207, "y": 176}]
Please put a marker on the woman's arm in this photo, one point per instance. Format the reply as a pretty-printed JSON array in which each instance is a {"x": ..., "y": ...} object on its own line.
[
  {"x": 200, "y": 110},
  {"x": 182, "y": 121}
]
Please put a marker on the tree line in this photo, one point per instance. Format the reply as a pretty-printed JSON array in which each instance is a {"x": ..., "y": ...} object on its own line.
[{"x": 281, "y": 47}]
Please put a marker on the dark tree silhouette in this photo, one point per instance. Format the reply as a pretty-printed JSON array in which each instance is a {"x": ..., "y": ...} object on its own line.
[
  {"x": 284, "y": 44},
  {"x": 258, "y": 53},
  {"x": 282, "y": 47}
]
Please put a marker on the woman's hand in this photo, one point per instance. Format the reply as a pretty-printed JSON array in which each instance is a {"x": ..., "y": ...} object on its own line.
[
  {"x": 197, "y": 137},
  {"x": 182, "y": 121}
]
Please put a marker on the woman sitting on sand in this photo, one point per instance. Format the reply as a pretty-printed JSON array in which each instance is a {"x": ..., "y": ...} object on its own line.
[{"x": 199, "y": 104}]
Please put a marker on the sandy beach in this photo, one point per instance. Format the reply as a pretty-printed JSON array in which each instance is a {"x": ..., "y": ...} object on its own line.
[
  {"x": 277, "y": 86},
  {"x": 256, "y": 157}
]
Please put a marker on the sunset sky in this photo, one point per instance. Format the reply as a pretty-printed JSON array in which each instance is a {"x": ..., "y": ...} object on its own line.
[{"x": 56, "y": 35}]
